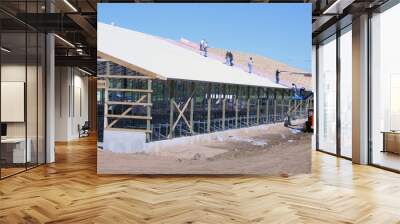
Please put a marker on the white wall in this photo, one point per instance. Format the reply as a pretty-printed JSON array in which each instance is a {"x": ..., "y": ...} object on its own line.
[
  {"x": 71, "y": 102},
  {"x": 34, "y": 124},
  {"x": 62, "y": 83},
  {"x": 12, "y": 73}
]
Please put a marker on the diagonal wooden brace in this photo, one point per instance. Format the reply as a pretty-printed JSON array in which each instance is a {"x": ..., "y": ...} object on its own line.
[
  {"x": 181, "y": 115},
  {"x": 126, "y": 111}
]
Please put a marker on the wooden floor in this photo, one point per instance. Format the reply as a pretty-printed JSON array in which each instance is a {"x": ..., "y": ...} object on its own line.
[{"x": 70, "y": 191}]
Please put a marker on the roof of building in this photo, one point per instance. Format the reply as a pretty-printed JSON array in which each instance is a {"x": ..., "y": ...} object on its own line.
[
  {"x": 159, "y": 58},
  {"x": 262, "y": 65}
]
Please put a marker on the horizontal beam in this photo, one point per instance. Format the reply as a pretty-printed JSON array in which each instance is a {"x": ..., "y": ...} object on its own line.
[
  {"x": 128, "y": 129},
  {"x": 128, "y": 103},
  {"x": 129, "y": 116},
  {"x": 130, "y": 90},
  {"x": 122, "y": 77}
]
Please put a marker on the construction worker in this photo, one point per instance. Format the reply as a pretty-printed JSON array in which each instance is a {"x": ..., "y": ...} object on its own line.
[
  {"x": 227, "y": 58},
  {"x": 277, "y": 76},
  {"x": 250, "y": 65},
  {"x": 230, "y": 58},
  {"x": 201, "y": 46},
  {"x": 294, "y": 90},
  {"x": 205, "y": 48}
]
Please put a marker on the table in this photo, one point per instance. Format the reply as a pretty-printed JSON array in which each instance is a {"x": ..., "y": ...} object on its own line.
[
  {"x": 391, "y": 141},
  {"x": 15, "y": 148}
]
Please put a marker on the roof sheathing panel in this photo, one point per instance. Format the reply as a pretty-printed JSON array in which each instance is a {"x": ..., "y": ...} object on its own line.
[{"x": 157, "y": 58}]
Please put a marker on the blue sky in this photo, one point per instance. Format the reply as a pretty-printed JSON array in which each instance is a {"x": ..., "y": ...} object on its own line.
[{"x": 278, "y": 31}]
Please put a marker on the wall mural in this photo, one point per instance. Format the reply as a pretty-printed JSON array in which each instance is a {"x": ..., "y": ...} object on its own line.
[{"x": 185, "y": 95}]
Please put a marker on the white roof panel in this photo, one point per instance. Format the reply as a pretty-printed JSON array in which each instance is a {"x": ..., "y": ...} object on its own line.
[{"x": 157, "y": 57}]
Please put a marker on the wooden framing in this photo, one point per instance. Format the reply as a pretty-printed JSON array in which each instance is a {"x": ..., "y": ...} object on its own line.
[
  {"x": 275, "y": 105},
  {"x": 193, "y": 89},
  {"x": 223, "y": 113},
  {"x": 130, "y": 90},
  {"x": 123, "y": 77},
  {"x": 236, "y": 111},
  {"x": 174, "y": 105},
  {"x": 171, "y": 116},
  {"x": 125, "y": 112},
  {"x": 209, "y": 108},
  {"x": 171, "y": 93},
  {"x": 248, "y": 107},
  {"x": 283, "y": 105},
  {"x": 258, "y": 106},
  {"x": 237, "y": 107},
  {"x": 267, "y": 106},
  {"x": 223, "y": 106},
  {"x": 106, "y": 86},
  {"x": 138, "y": 103},
  {"x": 148, "y": 109},
  {"x": 182, "y": 112},
  {"x": 129, "y": 103},
  {"x": 128, "y": 117},
  {"x": 266, "y": 109},
  {"x": 181, "y": 115},
  {"x": 258, "y": 111},
  {"x": 130, "y": 130}
]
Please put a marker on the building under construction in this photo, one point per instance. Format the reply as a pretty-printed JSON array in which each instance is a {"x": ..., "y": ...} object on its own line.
[{"x": 151, "y": 85}]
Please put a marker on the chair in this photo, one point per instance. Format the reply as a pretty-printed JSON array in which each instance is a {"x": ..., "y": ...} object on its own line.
[{"x": 84, "y": 130}]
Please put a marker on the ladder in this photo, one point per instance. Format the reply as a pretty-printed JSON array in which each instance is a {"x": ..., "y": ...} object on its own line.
[{"x": 306, "y": 101}]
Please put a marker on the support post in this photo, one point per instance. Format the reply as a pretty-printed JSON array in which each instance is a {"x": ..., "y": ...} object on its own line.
[
  {"x": 258, "y": 111},
  {"x": 148, "y": 110},
  {"x": 266, "y": 110},
  {"x": 248, "y": 112},
  {"x": 171, "y": 107},
  {"x": 267, "y": 106},
  {"x": 236, "y": 111},
  {"x": 107, "y": 85},
  {"x": 258, "y": 106},
  {"x": 282, "y": 106},
  {"x": 236, "y": 106},
  {"x": 275, "y": 106},
  {"x": 171, "y": 116},
  {"x": 248, "y": 106},
  {"x": 223, "y": 113},
  {"x": 209, "y": 109},
  {"x": 223, "y": 106},
  {"x": 192, "y": 108}
]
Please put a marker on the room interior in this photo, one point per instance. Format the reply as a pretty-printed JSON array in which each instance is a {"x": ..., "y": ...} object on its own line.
[
  {"x": 27, "y": 98},
  {"x": 22, "y": 101},
  {"x": 385, "y": 89}
]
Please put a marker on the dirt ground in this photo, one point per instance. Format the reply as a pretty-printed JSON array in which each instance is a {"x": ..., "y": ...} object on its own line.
[{"x": 265, "y": 150}]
